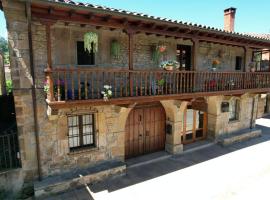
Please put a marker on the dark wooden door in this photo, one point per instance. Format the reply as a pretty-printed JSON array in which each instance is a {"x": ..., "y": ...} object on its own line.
[
  {"x": 145, "y": 131},
  {"x": 183, "y": 54}
]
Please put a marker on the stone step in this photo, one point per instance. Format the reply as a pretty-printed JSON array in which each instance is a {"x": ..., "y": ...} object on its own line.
[
  {"x": 77, "y": 178},
  {"x": 147, "y": 159},
  {"x": 239, "y": 136}
]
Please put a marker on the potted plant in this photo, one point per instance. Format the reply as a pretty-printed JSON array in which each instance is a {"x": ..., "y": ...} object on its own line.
[
  {"x": 170, "y": 65},
  {"x": 115, "y": 49},
  {"x": 160, "y": 84},
  {"x": 158, "y": 50},
  {"x": 215, "y": 64},
  {"x": 107, "y": 92},
  {"x": 91, "y": 42}
]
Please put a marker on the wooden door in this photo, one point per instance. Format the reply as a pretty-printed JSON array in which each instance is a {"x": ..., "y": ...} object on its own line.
[
  {"x": 183, "y": 54},
  {"x": 194, "y": 125},
  {"x": 145, "y": 131}
]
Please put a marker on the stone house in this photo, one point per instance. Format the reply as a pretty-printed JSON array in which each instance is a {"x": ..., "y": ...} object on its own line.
[{"x": 73, "y": 129}]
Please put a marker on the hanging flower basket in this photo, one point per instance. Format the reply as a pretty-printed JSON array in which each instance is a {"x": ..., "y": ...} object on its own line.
[
  {"x": 91, "y": 42},
  {"x": 162, "y": 48},
  {"x": 115, "y": 49}
]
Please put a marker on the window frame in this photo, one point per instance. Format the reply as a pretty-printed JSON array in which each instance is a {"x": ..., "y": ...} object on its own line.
[
  {"x": 76, "y": 56},
  {"x": 237, "y": 110},
  {"x": 81, "y": 133}
]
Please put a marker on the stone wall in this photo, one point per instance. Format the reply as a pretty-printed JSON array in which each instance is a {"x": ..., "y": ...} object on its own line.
[
  {"x": 64, "y": 40},
  {"x": 225, "y": 54},
  {"x": 218, "y": 121},
  {"x": 264, "y": 100},
  {"x": 110, "y": 128},
  {"x": 22, "y": 82}
]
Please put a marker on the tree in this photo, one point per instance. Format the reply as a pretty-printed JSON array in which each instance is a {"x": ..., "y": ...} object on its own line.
[
  {"x": 4, "y": 49},
  {"x": 3, "y": 45}
]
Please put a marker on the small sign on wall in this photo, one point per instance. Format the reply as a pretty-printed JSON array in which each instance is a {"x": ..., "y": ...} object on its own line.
[
  {"x": 168, "y": 129},
  {"x": 225, "y": 107}
]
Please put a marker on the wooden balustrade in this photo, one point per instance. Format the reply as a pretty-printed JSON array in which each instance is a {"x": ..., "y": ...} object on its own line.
[{"x": 82, "y": 84}]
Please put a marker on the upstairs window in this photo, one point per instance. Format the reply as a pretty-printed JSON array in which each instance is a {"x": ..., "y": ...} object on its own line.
[
  {"x": 81, "y": 131},
  {"x": 238, "y": 63},
  {"x": 234, "y": 110},
  {"x": 83, "y": 56}
]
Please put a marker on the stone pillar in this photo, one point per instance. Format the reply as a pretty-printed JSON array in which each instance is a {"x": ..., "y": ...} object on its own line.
[
  {"x": 174, "y": 116},
  {"x": 254, "y": 110},
  {"x": 217, "y": 121},
  {"x": 115, "y": 123},
  {"x": 15, "y": 14}
]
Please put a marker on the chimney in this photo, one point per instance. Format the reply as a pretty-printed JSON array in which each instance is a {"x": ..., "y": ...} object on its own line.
[{"x": 229, "y": 16}]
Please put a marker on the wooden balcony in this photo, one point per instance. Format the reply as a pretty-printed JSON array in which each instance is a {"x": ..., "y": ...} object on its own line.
[{"x": 84, "y": 86}]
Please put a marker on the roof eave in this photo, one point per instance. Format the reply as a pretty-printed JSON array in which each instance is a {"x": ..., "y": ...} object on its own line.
[{"x": 149, "y": 19}]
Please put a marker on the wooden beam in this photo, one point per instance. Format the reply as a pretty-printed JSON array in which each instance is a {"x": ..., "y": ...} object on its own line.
[
  {"x": 195, "y": 52},
  {"x": 146, "y": 99},
  {"x": 246, "y": 59},
  {"x": 130, "y": 33}
]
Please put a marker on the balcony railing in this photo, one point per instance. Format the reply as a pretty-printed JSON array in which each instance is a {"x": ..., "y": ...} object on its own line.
[{"x": 85, "y": 84}]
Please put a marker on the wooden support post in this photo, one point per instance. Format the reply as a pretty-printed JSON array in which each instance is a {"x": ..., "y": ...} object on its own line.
[
  {"x": 246, "y": 59},
  {"x": 48, "y": 71},
  {"x": 130, "y": 58},
  {"x": 195, "y": 50}
]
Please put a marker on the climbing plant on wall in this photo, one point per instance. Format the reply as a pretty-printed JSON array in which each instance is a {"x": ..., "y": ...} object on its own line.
[
  {"x": 115, "y": 49},
  {"x": 91, "y": 42}
]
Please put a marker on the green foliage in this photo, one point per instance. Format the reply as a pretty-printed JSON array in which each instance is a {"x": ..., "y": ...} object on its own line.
[
  {"x": 9, "y": 86},
  {"x": 91, "y": 42},
  {"x": 4, "y": 49},
  {"x": 115, "y": 49},
  {"x": 3, "y": 45},
  {"x": 6, "y": 58},
  {"x": 161, "y": 82}
]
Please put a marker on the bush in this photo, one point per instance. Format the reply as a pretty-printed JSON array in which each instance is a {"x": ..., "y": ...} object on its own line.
[
  {"x": 9, "y": 86},
  {"x": 6, "y": 58}
]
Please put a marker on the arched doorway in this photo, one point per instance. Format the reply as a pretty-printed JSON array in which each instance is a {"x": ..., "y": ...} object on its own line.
[
  {"x": 145, "y": 130},
  {"x": 194, "y": 125}
]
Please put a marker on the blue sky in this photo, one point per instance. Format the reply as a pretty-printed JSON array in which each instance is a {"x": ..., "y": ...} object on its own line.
[{"x": 251, "y": 16}]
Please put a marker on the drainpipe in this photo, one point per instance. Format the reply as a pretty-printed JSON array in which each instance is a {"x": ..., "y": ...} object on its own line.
[{"x": 33, "y": 88}]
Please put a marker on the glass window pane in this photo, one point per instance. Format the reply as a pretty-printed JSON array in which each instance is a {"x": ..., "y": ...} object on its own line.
[{"x": 189, "y": 120}]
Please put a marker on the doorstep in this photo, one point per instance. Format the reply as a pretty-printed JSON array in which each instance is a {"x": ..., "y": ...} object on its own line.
[
  {"x": 59, "y": 183},
  {"x": 239, "y": 136},
  {"x": 201, "y": 144},
  {"x": 147, "y": 159}
]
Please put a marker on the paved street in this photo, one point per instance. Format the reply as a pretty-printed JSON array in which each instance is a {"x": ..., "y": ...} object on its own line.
[{"x": 239, "y": 171}]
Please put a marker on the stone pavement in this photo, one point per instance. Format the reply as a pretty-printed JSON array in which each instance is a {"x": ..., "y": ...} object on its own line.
[{"x": 239, "y": 171}]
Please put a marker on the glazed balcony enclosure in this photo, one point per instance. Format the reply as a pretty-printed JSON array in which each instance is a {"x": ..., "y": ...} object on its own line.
[{"x": 87, "y": 85}]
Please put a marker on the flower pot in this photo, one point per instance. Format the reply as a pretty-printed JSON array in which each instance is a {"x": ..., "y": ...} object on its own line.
[
  {"x": 252, "y": 69},
  {"x": 214, "y": 69},
  {"x": 162, "y": 49},
  {"x": 169, "y": 67}
]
